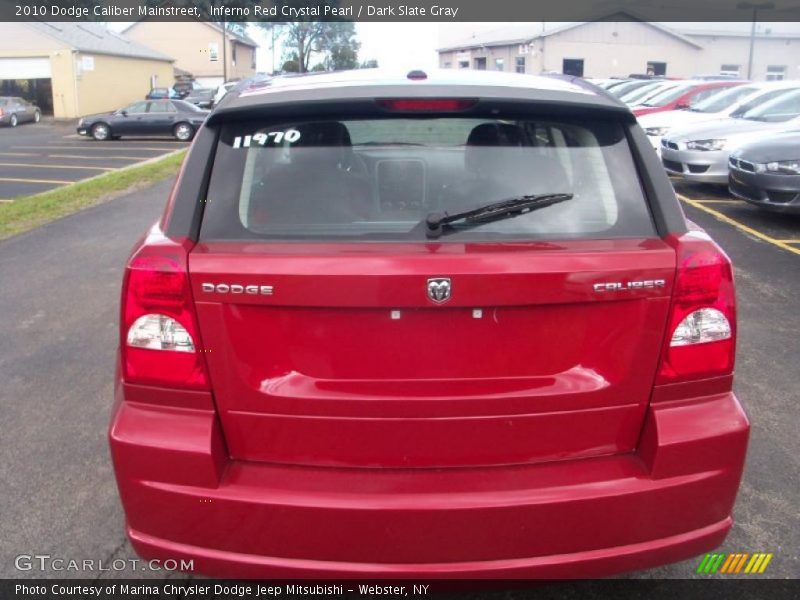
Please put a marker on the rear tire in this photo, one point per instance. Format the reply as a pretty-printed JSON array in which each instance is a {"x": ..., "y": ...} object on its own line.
[
  {"x": 183, "y": 132},
  {"x": 13, "y": 121},
  {"x": 101, "y": 132},
  {"x": 37, "y": 116}
]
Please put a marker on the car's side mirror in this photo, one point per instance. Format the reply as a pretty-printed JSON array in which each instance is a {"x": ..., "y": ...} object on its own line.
[
  {"x": 683, "y": 106},
  {"x": 124, "y": 113}
]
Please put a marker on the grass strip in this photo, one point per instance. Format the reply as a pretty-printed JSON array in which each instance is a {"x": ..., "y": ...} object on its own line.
[{"x": 28, "y": 212}]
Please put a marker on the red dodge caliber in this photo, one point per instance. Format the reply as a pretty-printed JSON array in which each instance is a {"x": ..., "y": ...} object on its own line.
[{"x": 435, "y": 325}]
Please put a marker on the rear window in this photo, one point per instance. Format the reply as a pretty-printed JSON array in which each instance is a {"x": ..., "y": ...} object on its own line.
[{"x": 378, "y": 179}]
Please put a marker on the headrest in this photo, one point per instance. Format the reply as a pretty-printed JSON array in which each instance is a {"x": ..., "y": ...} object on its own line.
[
  {"x": 323, "y": 133},
  {"x": 495, "y": 134},
  {"x": 490, "y": 135}
]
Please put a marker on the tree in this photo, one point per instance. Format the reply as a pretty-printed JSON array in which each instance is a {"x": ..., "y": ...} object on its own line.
[
  {"x": 331, "y": 43},
  {"x": 339, "y": 40}
]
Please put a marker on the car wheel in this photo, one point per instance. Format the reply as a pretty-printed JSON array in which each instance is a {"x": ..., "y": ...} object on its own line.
[
  {"x": 13, "y": 121},
  {"x": 37, "y": 116},
  {"x": 100, "y": 132},
  {"x": 183, "y": 132}
]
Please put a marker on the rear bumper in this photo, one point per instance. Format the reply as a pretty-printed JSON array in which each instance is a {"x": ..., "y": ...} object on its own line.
[{"x": 672, "y": 500}]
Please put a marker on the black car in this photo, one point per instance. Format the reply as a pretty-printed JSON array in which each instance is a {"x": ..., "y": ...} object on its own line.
[
  {"x": 14, "y": 110},
  {"x": 161, "y": 93},
  {"x": 148, "y": 117},
  {"x": 184, "y": 88},
  {"x": 767, "y": 173},
  {"x": 203, "y": 97}
]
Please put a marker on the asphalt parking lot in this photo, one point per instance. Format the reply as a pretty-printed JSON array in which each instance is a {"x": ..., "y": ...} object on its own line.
[
  {"x": 40, "y": 157},
  {"x": 59, "y": 492}
]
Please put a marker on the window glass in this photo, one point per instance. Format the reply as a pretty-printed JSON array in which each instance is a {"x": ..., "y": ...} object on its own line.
[
  {"x": 722, "y": 99},
  {"x": 784, "y": 108},
  {"x": 378, "y": 179},
  {"x": 162, "y": 107},
  {"x": 137, "y": 107}
]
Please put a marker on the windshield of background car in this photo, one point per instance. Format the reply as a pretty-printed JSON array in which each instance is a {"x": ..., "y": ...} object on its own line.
[
  {"x": 641, "y": 93},
  {"x": 668, "y": 95},
  {"x": 783, "y": 108},
  {"x": 379, "y": 179},
  {"x": 723, "y": 98}
]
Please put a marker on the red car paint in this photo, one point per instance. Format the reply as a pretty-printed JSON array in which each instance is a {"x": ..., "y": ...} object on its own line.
[
  {"x": 686, "y": 99},
  {"x": 539, "y": 424}
]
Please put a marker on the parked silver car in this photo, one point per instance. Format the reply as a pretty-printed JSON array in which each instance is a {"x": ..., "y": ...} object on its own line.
[
  {"x": 700, "y": 153},
  {"x": 729, "y": 102},
  {"x": 767, "y": 173}
]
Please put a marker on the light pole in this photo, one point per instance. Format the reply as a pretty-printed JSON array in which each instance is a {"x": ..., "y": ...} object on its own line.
[{"x": 755, "y": 7}]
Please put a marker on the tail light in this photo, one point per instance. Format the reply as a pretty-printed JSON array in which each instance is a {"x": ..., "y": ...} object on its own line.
[
  {"x": 2, "y": 112},
  {"x": 160, "y": 339},
  {"x": 427, "y": 104},
  {"x": 701, "y": 340}
]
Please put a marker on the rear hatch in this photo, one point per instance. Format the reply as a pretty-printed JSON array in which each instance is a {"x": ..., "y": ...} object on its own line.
[{"x": 338, "y": 333}]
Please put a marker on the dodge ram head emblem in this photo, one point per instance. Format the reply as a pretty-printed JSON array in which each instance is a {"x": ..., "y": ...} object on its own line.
[{"x": 439, "y": 289}]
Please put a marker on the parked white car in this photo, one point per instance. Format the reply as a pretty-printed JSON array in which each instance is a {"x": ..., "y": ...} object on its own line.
[
  {"x": 728, "y": 102},
  {"x": 222, "y": 90}
]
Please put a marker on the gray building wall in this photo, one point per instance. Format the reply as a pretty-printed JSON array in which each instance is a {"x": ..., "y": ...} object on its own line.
[{"x": 618, "y": 49}]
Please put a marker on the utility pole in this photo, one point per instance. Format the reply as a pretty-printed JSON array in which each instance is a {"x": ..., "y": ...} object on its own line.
[
  {"x": 224, "y": 53},
  {"x": 755, "y": 8}
]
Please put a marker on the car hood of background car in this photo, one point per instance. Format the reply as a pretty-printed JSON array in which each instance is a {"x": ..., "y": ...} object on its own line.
[
  {"x": 96, "y": 116},
  {"x": 785, "y": 146},
  {"x": 727, "y": 129},
  {"x": 677, "y": 118}
]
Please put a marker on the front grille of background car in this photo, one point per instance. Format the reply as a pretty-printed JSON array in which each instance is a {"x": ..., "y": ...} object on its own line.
[
  {"x": 781, "y": 197},
  {"x": 672, "y": 165},
  {"x": 744, "y": 190}
]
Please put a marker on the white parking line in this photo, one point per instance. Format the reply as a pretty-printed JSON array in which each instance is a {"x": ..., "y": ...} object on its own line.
[
  {"x": 136, "y": 158},
  {"x": 30, "y": 166},
  {"x": 91, "y": 147},
  {"x": 20, "y": 180}
]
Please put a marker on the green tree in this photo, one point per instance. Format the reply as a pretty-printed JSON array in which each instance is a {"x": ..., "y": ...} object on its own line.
[
  {"x": 331, "y": 43},
  {"x": 341, "y": 46}
]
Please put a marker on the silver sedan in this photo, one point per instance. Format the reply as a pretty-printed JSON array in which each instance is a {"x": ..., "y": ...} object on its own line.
[{"x": 700, "y": 153}]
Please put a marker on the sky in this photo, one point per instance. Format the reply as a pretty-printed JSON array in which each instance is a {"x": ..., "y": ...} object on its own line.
[
  {"x": 393, "y": 45},
  {"x": 400, "y": 46}
]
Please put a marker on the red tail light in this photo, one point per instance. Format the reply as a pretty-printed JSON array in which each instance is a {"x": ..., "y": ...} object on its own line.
[
  {"x": 701, "y": 338},
  {"x": 428, "y": 104},
  {"x": 159, "y": 337}
]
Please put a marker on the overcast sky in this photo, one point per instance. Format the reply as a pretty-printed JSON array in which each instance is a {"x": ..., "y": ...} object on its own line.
[{"x": 413, "y": 45}]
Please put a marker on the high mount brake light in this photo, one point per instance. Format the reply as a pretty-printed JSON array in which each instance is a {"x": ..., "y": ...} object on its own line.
[
  {"x": 160, "y": 339},
  {"x": 427, "y": 104},
  {"x": 701, "y": 339}
]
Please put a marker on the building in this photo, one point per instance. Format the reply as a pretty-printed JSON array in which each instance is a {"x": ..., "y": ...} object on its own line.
[
  {"x": 624, "y": 47},
  {"x": 198, "y": 49},
  {"x": 74, "y": 69}
]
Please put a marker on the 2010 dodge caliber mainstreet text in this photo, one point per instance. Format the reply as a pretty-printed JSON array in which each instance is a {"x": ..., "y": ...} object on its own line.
[{"x": 435, "y": 325}]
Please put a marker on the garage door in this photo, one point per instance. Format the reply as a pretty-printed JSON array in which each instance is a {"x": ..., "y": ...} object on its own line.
[{"x": 24, "y": 68}]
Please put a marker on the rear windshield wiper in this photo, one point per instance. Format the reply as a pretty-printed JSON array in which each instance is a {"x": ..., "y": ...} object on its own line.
[{"x": 437, "y": 224}]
